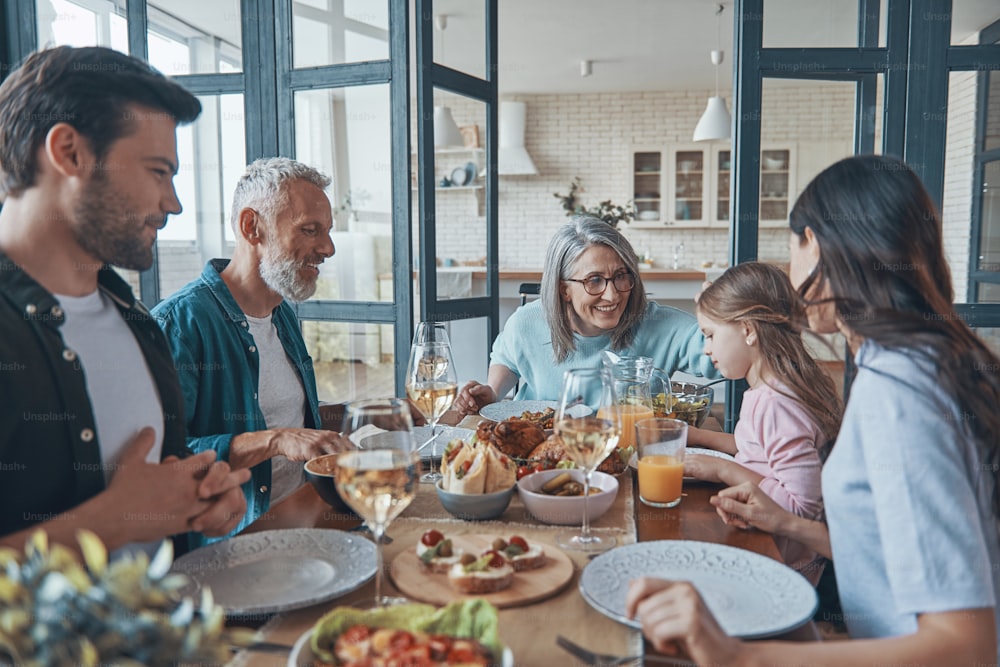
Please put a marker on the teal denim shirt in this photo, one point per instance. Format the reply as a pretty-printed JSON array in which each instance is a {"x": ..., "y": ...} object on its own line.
[{"x": 218, "y": 366}]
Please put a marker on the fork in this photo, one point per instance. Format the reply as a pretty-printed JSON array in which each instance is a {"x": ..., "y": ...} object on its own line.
[{"x": 589, "y": 657}]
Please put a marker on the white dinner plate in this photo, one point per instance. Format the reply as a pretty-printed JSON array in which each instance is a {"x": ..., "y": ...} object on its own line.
[
  {"x": 445, "y": 435},
  {"x": 302, "y": 655},
  {"x": 632, "y": 462},
  {"x": 278, "y": 570},
  {"x": 749, "y": 594},
  {"x": 506, "y": 409}
]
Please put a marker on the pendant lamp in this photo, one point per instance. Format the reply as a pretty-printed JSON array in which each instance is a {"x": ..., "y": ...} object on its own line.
[
  {"x": 446, "y": 132},
  {"x": 715, "y": 123}
]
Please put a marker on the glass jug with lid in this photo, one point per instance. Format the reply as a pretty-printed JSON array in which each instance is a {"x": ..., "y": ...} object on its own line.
[{"x": 631, "y": 378}]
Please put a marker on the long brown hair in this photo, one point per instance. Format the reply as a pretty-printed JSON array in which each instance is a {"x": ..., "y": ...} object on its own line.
[
  {"x": 882, "y": 261},
  {"x": 762, "y": 296}
]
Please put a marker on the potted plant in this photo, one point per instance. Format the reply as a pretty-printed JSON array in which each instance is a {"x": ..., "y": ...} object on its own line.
[
  {"x": 56, "y": 611},
  {"x": 608, "y": 211}
]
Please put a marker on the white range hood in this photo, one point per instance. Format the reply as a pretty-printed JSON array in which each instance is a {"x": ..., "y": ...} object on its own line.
[{"x": 513, "y": 159}]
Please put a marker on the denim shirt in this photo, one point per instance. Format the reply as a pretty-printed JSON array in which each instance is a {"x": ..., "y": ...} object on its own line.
[
  {"x": 218, "y": 366},
  {"x": 50, "y": 456}
]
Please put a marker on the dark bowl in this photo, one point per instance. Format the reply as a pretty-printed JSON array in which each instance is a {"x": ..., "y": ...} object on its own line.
[{"x": 321, "y": 473}]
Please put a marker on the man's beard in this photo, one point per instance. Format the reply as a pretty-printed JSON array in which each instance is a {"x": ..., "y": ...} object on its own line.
[
  {"x": 281, "y": 274},
  {"x": 109, "y": 229}
]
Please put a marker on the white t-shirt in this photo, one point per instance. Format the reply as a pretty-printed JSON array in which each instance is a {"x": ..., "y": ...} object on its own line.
[
  {"x": 122, "y": 392},
  {"x": 282, "y": 400}
]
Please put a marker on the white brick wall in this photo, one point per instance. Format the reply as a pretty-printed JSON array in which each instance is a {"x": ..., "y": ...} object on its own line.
[{"x": 591, "y": 136}]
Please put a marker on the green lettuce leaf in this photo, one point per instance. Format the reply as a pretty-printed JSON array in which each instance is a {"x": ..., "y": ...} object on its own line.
[{"x": 472, "y": 619}]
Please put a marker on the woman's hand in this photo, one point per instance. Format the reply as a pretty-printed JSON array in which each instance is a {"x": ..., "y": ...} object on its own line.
[
  {"x": 746, "y": 506},
  {"x": 474, "y": 396},
  {"x": 675, "y": 620}
]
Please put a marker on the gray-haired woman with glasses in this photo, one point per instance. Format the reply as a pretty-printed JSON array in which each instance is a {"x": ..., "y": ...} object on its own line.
[{"x": 592, "y": 300}]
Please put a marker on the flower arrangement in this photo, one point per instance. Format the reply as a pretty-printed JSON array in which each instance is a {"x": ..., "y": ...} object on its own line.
[
  {"x": 609, "y": 212},
  {"x": 55, "y": 611}
]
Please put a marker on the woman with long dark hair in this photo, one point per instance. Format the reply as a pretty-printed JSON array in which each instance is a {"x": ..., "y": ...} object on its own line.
[{"x": 911, "y": 487}]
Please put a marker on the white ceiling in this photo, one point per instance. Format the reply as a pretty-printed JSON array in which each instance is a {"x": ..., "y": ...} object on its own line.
[
  {"x": 634, "y": 44},
  {"x": 648, "y": 44}
]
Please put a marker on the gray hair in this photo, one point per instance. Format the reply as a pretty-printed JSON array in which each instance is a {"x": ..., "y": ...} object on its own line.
[
  {"x": 565, "y": 248},
  {"x": 262, "y": 187}
]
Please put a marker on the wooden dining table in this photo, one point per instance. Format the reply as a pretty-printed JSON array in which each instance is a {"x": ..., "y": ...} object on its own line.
[{"x": 530, "y": 631}]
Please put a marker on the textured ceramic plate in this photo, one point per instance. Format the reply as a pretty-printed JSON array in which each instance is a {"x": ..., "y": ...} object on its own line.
[
  {"x": 302, "y": 655},
  {"x": 279, "y": 570},
  {"x": 506, "y": 409},
  {"x": 446, "y": 434},
  {"x": 749, "y": 594}
]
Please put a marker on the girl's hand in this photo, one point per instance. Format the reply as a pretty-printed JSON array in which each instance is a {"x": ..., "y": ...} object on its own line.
[
  {"x": 746, "y": 506},
  {"x": 705, "y": 468},
  {"x": 676, "y": 621},
  {"x": 696, "y": 436}
]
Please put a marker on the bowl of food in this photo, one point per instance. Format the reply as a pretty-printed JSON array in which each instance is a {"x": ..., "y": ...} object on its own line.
[
  {"x": 556, "y": 496},
  {"x": 690, "y": 402},
  {"x": 475, "y": 506},
  {"x": 322, "y": 474}
]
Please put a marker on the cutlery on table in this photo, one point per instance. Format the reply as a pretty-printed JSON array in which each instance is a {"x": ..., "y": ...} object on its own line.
[
  {"x": 266, "y": 647},
  {"x": 589, "y": 657}
]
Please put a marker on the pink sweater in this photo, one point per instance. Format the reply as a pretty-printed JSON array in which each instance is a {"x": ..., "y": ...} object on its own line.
[{"x": 776, "y": 438}]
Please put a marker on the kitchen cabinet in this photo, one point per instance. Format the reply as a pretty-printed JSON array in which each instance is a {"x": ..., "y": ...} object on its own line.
[{"x": 688, "y": 185}]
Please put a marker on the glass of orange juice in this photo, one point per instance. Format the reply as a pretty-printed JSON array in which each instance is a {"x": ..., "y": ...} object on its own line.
[{"x": 660, "y": 447}]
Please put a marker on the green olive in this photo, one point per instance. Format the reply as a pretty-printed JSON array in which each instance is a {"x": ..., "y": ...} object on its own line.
[
  {"x": 499, "y": 544},
  {"x": 444, "y": 550}
]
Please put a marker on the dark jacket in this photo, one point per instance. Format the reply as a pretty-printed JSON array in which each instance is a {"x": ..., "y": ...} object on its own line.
[{"x": 50, "y": 459}]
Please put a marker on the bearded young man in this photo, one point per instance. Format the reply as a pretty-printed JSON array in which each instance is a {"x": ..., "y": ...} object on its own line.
[
  {"x": 248, "y": 381},
  {"x": 92, "y": 429}
]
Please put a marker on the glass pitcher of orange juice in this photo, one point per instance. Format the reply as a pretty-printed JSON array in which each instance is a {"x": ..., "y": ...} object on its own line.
[{"x": 631, "y": 377}]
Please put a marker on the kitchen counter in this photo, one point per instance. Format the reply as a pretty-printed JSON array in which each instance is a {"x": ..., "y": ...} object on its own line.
[{"x": 535, "y": 275}]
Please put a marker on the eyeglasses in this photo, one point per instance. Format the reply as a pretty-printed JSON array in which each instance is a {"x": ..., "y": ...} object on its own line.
[{"x": 595, "y": 285}]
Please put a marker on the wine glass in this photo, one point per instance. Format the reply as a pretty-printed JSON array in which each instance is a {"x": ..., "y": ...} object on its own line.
[
  {"x": 589, "y": 422},
  {"x": 378, "y": 480},
  {"x": 431, "y": 380}
]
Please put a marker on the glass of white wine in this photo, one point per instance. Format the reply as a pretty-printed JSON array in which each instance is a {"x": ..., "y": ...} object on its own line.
[
  {"x": 589, "y": 422},
  {"x": 431, "y": 380},
  {"x": 378, "y": 480}
]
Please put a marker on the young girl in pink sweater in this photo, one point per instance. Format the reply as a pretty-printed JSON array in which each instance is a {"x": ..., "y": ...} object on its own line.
[{"x": 752, "y": 321}]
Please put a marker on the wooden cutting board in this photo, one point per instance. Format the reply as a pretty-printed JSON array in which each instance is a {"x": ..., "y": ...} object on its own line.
[{"x": 529, "y": 586}]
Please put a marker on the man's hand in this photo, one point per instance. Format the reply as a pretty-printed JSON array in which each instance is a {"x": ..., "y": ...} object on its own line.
[
  {"x": 474, "y": 396},
  {"x": 149, "y": 501},
  {"x": 302, "y": 444}
]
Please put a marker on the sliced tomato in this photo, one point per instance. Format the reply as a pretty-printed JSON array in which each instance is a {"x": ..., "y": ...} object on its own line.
[
  {"x": 523, "y": 471},
  {"x": 401, "y": 641},
  {"x": 356, "y": 634},
  {"x": 496, "y": 559},
  {"x": 519, "y": 541},
  {"x": 431, "y": 537}
]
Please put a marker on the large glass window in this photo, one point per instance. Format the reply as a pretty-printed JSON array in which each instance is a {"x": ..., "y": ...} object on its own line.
[
  {"x": 195, "y": 37},
  {"x": 82, "y": 23},
  {"x": 331, "y": 32},
  {"x": 212, "y": 155}
]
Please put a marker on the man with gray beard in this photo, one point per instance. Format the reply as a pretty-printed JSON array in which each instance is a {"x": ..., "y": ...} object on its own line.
[{"x": 247, "y": 378}]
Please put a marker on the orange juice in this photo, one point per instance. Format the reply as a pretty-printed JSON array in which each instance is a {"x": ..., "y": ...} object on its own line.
[
  {"x": 630, "y": 413},
  {"x": 660, "y": 478}
]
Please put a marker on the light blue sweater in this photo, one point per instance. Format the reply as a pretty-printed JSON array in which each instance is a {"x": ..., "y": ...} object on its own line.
[
  {"x": 668, "y": 335},
  {"x": 908, "y": 501}
]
